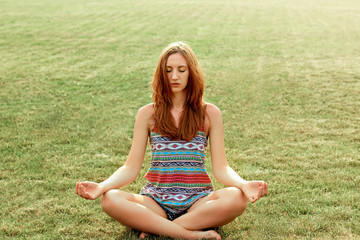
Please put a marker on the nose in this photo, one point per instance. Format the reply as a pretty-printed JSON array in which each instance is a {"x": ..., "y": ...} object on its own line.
[{"x": 175, "y": 75}]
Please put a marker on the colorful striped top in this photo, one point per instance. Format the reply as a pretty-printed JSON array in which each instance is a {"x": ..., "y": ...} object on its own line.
[{"x": 177, "y": 177}]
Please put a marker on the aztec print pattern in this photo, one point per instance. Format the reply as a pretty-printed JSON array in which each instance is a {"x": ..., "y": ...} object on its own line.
[{"x": 177, "y": 176}]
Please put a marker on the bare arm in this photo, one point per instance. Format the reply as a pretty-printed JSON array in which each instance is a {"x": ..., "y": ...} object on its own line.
[
  {"x": 131, "y": 169},
  {"x": 222, "y": 171}
]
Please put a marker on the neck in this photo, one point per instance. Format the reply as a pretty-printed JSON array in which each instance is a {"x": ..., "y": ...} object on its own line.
[{"x": 178, "y": 100}]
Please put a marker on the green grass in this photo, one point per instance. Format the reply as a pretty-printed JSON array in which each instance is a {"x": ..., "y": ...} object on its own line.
[{"x": 285, "y": 74}]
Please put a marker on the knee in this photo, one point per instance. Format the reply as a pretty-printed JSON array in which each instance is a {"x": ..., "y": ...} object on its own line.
[
  {"x": 236, "y": 201},
  {"x": 108, "y": 198}
]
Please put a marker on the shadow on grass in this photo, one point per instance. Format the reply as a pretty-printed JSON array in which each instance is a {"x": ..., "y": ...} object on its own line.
[{"x": 131, "y": 234}]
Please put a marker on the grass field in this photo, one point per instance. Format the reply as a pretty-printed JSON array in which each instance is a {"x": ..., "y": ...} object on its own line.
[{"x": 285, "y": 74}]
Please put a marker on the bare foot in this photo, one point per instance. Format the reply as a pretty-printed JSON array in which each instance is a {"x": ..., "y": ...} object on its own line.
[
  {"x": 208, "y": 235},
  {"x": 198, "y": 235},
  {"x": 143, "y": 235}
]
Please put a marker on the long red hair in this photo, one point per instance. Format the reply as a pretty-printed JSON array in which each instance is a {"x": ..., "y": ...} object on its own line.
[{"x": 192, "y": 118}]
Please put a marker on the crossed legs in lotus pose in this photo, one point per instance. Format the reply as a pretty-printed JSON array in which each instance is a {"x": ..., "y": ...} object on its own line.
[{"x": 144, "y": 214}]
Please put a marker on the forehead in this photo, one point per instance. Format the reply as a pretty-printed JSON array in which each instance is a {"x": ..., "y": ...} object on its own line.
[{"x": 175, "y": 60}]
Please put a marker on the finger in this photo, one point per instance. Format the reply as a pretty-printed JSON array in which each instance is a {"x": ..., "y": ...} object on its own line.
[
  {"x": 85, "y": 184},
  {"x": 253, "y": 199},
  {"x": 82, "y": 191},
  {"x": 266, "y": 190},
  {"x": 87, "y": 196},
  {"x": 78, "y": 188},
  {"x": 85, "y": 193},
  {"x": 263, "y": 189},
  {"x": 261, "y": 192}
]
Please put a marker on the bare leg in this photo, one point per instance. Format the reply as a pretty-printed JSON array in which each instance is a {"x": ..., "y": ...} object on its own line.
[
  {"x": 215, "y": 210},
  {"x": 142, "y": 213}
]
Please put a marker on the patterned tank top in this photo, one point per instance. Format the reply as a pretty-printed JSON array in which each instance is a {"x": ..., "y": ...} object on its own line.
[{"x": 177, "y": 177}]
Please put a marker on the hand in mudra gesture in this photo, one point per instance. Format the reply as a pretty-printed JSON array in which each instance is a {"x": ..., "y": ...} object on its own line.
[
  {"x": 254, "y": 190},
  {"x": 88, "y": 190}
]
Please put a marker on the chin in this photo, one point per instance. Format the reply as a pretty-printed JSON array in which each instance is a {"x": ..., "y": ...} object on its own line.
[{"x": 177, "y": 90}]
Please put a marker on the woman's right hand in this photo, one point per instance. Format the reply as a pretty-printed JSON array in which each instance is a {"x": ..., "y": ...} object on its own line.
[{"x": 89, "y": 190}]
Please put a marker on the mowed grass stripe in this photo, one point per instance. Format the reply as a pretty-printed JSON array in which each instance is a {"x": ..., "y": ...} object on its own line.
[{"x": 284, "y": 73}]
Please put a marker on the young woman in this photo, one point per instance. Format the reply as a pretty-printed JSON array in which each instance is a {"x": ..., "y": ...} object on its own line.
[{"x": 178, "y": 199}]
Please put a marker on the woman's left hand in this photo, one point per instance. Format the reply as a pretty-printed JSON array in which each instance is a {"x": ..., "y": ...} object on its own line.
[{"x": 254, "y": 190}]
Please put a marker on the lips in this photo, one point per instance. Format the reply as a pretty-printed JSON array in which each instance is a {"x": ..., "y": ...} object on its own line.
[{"x": 175, "y": 84}]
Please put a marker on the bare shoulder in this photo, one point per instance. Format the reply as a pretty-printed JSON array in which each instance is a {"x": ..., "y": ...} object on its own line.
[
  {"x": 145, "y": 116},
  {"x": 213, "y": 117},
  {"x": 146, "y": 111},
  {"x": 212, "y": 111}
]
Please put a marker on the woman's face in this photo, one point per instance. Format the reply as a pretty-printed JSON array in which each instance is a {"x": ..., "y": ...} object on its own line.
[{"x": 177, "y": 72}]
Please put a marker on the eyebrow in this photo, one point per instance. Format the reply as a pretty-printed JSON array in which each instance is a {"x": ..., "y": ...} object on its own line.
[{"x": 178, "y": 66}]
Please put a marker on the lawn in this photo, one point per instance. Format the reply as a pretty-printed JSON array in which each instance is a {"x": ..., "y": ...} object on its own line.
[{"x": 285, "y": 73}]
